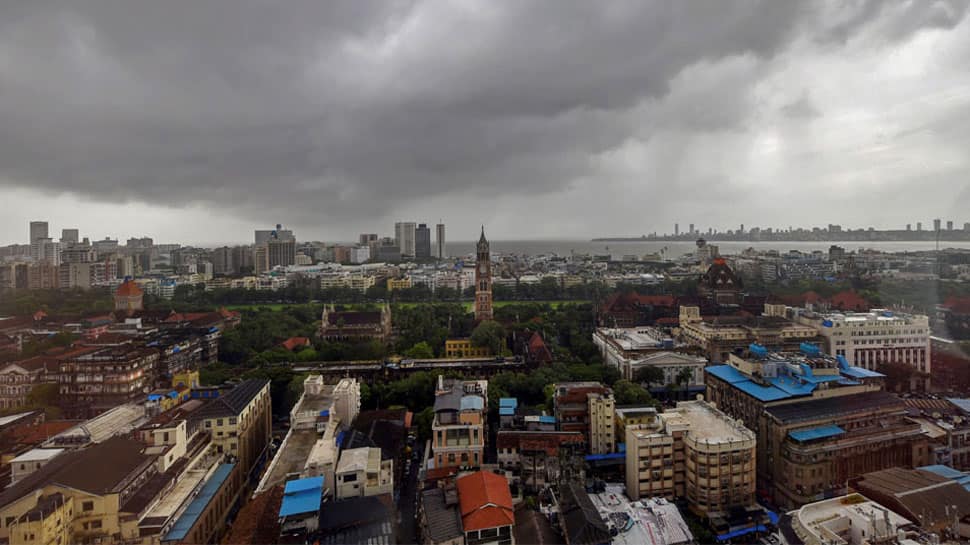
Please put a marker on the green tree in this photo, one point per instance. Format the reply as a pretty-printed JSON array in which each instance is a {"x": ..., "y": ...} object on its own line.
[
  {"x": 628, "y": 393},
  {"x": 649, "y": 375},
  {"x": 491, "y": 334},
  {"x": 423, "y": 421},
  {"x": 421, "y": 351}
]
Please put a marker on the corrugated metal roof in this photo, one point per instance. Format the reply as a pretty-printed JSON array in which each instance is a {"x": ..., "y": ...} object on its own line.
[
  {"x": 302, "y": 496},
  {"x": 506, "y": 411},
  {"x": 508, "y": 402},
  {"x": 820, "y": 432},
  {"x": 195, "y": 509}
]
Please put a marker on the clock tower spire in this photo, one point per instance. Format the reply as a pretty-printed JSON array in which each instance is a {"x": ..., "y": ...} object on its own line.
[{"x": 483, "y": 280}]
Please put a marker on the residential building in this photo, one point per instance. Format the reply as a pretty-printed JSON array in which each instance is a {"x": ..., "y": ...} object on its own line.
[
  {"x": 695, "y": 452},
  {"x": 43, "y": 276},
  {"x": 95, "y": 381},
  {"x": 422, "y": 241},
  {"x": 721, "y": 336},
  {"x": 630, "y": 416},
  {"x": 31, "y": 461},
  {"x": 871, "y": 339},
  {"x": 458, "y": 429},
  {"x": 38, "y": 230},
  {"x": 483, "y": 280},
  {"x": 261, "y": 258},
  {"x": 355, "y": 325},
  {"x": 240, "y": 422},
  {"x": 537, "y": 459},
  {"x": 405, "y": 237},
  {"x": 463, "y": 348},
  {"x": 398, "y": 283},
  {"x": 587, "y": 407},
  {"x": 442, "y": 252},
  {"x": 361, "y": 472},
  {"x": 18, "y": 378},
  {"x": 223, "y": 261},
  {"x": 281, "y": 252},
  {"x": 487, "y": 513},
  {"x": 360, "y": 254}
]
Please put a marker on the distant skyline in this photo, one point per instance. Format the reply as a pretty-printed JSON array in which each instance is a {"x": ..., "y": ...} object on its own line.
[{"x": 587, "y": 120}]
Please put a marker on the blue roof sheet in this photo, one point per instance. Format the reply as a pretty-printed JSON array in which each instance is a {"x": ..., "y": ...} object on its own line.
[
  {"x": 195, "y": 509},
  {"x": 962, "y": 403},
  {"x": 818, "y": 379},
  {"x": 944, "y": 471},
  {"x": 859, "y": 372},
  {"x": 302, "y": 496},
  {"x": 547, "y": 419},
  {"x": 792, "y": 386},
  {"x": 820, "y": 432},
  {"x": 741, "y": 532},
  {"x": 610, "y": 456},
  {"x": 506, "y": 411},
  {"x": 727, "y": 373},
  {"x": 761, "y": 393},
  {"x": 508, "y": 402}
]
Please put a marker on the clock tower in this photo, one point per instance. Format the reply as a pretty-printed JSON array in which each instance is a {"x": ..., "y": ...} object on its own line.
[{"x": 483, "y": 280}]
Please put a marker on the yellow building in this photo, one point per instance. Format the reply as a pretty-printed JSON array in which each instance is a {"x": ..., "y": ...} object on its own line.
[
  {"x": 398, "y": 283},
  {"x": 641, "y": 416},
  {"x": 463, "y": 348},
  {"x": 46, "y": 524},
  {"x": 188, "y": 379}
]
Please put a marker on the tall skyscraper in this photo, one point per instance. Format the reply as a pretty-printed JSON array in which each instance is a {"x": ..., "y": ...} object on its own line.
[
  {"x": 909, "y": 226},
  {"x": 483, "y": 280},
  {"x": 422, "y": 241},
  {"x": 404, "y": 233},
  {"x": 38, "y": 230},
  {"x": 365, "y": 239},
  {"x": 949, "y": 225},
  {"x": 281, "y": 252},
  {"x": 440, "y": 240},
  {"x": 70, "y": 236},
  {"x": 936, "y": 224},
  {"x": 676, "y": 229},
  {"x": 264, "y": 235},
  {"x": 691, "y": 229},
  {"x": 919, "y": 226}
]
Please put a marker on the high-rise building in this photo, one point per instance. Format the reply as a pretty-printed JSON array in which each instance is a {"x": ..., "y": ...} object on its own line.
[
  {"x": 261, "y": 258},
  {"x": 440, "y": 240},
  {"x": 281, "y": 252},
  {"x": 38, "y": 230},
  {"x": 936, "y": 224},
  {"x": 676, "y": 229},
  {"x": 909, "y": 226},
  {"x": 46, "y": 250},
  {"x": 691, "y": 229},
  {"x": 366, "y": 238},
  {"x": 404, "y": 234},
  {"x": 483, "y": 280},
  {"x": 966, "y": 226},
  {"x": 742, "y": 229},
  {"x": 223, "y": 262},
  {"x": 422, "y": 241},
  {"x": 919, "y": 226},
  {"x": 264, "y": 235},
  {"x": 949, "y": 225},
  {"x": 70, "y": 236}
]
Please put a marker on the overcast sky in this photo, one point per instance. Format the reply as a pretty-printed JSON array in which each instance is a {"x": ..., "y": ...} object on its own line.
[{"x": 199, "y": 121}]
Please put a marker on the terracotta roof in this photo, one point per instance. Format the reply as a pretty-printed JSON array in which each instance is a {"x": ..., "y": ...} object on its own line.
[
  {"x": 485, "y": 501},
  {"x": 354, "y": 318},
  {"x": 848, "y": 300},
  {"x": 550, "y": 441},
  {"x": 129, "y": 289},
  {"x": 295, "y": 342}
]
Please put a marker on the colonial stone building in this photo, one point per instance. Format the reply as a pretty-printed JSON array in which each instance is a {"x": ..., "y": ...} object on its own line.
[{"x": 355, "y": 325}]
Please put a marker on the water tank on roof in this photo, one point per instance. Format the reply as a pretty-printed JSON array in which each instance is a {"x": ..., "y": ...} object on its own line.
[
  {"x": 810, "y": 349},
  {"x": 757, "y": 350},
  {"x": 827, "y": 323}
]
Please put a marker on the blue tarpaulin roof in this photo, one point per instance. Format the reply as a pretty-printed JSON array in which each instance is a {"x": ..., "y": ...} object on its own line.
[
  {"x": 859, "y": 372},
  {"x": 962, "y": 403},
  {"x": 508, "y": 402},
  {"x": 506, "y": 411},
  {"x": 195, "y": 509},
  {"x": 302, "y": 496},
  {"x": 820, "y": 432},
  {"x": 741, "y": 532},
  {"x": 610, "y": 456},
  {"x": 772, "y": 516},
  {"x": 547, "y": 419}
]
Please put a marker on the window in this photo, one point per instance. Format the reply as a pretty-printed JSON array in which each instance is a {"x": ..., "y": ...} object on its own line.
[
  {"x": 232, "y": 421},
  {"x": 219, "y": 422},
  {"x": 87, "y": 506}
]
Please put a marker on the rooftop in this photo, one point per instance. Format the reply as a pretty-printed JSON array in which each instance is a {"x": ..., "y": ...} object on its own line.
[
  {"x": 819, "y": 409},
  {"x": 117, "y": 421},
  {"x": 38, "y": 455},
  {"x": 353, "y": 460},
  {"x": 195, "y": 509},
  {"x": 833, "y": 520},
  {"x": 704, "y": 422},
  {"x": 444, "y": 520},
  {"x": 655, "y": 521},
  {"x": 485, "y": 501},
  {"x": 637, "y": 338},
  {"x": 302, "y": 496},
  {"x": 233, "y": 402}
]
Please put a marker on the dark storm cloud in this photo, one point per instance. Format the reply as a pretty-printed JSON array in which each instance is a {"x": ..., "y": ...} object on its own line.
[{"x": 342, "y": 108}]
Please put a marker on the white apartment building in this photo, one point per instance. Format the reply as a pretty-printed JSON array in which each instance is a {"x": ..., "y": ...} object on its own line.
[
  {"x": 361, "y": 472},
  {"x": 602, "y": 425}
]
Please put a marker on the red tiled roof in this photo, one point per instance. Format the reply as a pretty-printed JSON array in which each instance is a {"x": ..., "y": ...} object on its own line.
[
  {"x": 485, "y": 501},
  {"x": 849, "y": 300},
  {"x": 32, "y": 435},
  {"x": 295, "y": 342},
  {"x": 129, "y": 289}
]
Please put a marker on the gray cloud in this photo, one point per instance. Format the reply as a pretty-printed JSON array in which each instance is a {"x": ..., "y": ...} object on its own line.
[{"x": 344, "y": 109}]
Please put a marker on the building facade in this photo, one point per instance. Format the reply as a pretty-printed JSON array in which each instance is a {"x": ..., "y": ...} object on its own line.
[
  {"x": 94, "y": 382},
  {"x": 588, "y": 408},
  {"x": 405, "y": 237},
  {"x": 422, "y": 241},
  {"x": 696, "y": 452},
  {"x": 721, "y": 336},
  {"x": 458, "y": 430}
]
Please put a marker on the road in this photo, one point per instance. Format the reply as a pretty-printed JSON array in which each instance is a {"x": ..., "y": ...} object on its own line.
[{"x": 407, "y": 504}]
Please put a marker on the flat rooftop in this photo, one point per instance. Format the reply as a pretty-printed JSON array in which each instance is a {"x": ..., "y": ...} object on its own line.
[
  {"x": 637, "y": 338},
  {"x": 705, "y": 423},
  {"x": 290, "y": 458},
  {"x": 653, "y": 521},
  {"x": 117, "y": 421}
]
